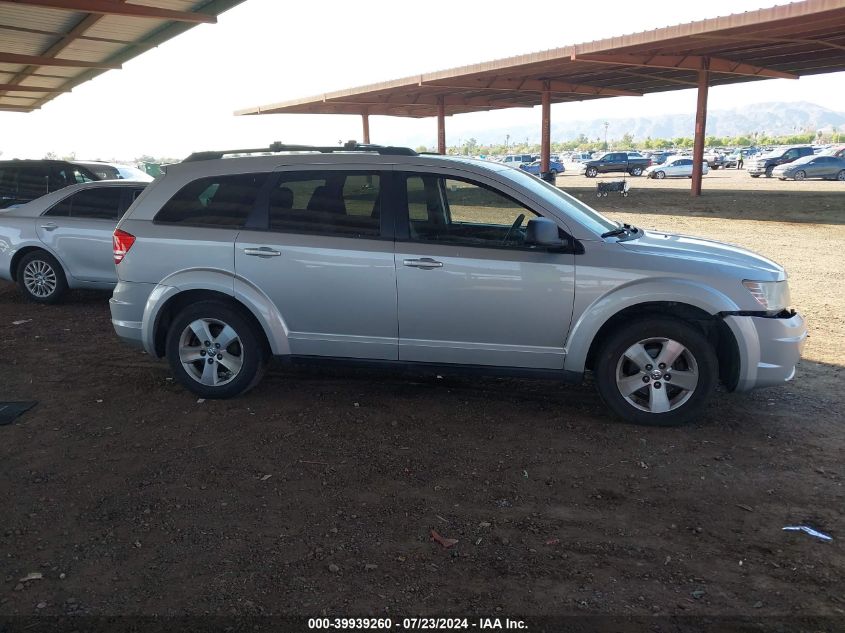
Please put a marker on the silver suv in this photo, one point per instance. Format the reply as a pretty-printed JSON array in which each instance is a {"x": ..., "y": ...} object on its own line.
[{"x": 379, "y": 254}]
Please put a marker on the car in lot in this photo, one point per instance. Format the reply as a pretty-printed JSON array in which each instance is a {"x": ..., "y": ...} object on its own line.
[
  {"x": 25, "y": 180},
  {"x": 378, "y": 255},
  {"x": 614, "y": 162},
  {"x": 63, "y": 239},
  {"x": 766, "y": 163},
  {"x": 674, "y": 167},
  {"x": 516, "y": 160},
  {"x": 715, "y": 159},
  {"x": 555, "y": 167},
  {"x": 115, "y": 171},
  {"x": 816, "y": 166}
]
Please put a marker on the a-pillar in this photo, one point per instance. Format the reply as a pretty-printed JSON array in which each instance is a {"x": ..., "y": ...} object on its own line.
[
  {"x": 545, "y": 132},
  {"x": 441, "y": 126},
  {"x": 700, "y": 126}
]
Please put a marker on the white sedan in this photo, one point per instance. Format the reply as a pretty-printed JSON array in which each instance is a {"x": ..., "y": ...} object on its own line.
[
  {"x": 674, "y": 167},
  {"x": 64, "y": 239}
]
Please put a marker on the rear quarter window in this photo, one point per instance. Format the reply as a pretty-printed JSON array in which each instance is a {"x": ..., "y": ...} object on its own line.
[{"x": 224, "y": 201}]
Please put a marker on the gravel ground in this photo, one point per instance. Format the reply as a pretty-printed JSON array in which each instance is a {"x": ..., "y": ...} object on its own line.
[{"x": 317, "y": 493}]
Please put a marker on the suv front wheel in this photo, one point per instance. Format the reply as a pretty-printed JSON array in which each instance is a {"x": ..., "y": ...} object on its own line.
[
  {"x": 656, "y": 371},
  {"x": 214, "y": 350}
]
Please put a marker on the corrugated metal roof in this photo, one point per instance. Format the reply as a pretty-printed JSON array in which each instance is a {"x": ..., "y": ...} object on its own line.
[
  {"x": 68, "y": 42},
  {"x": 802, "y": 38}
]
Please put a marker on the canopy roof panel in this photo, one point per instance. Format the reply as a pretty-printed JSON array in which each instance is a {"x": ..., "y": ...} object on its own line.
[
  {"x": 789, "y": 41},
  {"x": 47, "y": 47}
]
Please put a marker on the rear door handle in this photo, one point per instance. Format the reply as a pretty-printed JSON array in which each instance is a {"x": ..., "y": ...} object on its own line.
[
  {"x": 50, "y": 226},
  {"x": 425, "y": 262},
  {"x": 262, "y": 252}
]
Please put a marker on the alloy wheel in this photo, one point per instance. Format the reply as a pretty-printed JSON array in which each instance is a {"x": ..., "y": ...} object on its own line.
[
  {"x": 40, "y": 278},
  {"x": 211, "y": 352},
  {"x": 657, "y": 375}
]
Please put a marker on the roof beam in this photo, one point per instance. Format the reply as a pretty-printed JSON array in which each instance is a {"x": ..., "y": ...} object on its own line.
[
  {"x": 18, "y": 88},
  {"x": 671, "y": 80},
  {"x": 111, "y": 7},
  {"x": 428, "y": 102},
  {"x": 532, "y": 85},
  {"x": 7, "y": 108},
  {"x": 685, "y": 62},
  {"x": 38, "y": 60},
  {"x": 87, "y": 38}
]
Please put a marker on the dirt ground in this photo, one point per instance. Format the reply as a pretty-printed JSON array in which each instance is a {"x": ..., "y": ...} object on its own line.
[{"x": 316, "y": 493}]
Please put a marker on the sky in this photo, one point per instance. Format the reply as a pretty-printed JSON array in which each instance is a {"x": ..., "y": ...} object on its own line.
[{"x": 180, "y": 97}]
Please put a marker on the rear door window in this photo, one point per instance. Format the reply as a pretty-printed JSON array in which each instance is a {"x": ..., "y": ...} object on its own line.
[
  {"x": 341, "y": 203},
  {"x": 102, "y": 203},
  {"x": 216, "y": 201}
]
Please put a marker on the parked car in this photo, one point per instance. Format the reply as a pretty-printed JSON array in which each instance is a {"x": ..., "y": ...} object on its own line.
[
  {"x": 658, "y": 158},
  {"x": 555, "y": 167},
  {"x": 816, "y": 166},
  {"x": 62, "y": 240},
  {"x": 715, "y": 159},
  {"x": 766, "y": 163},
  {"x": 115, "y": 171},
  {"x": 515, "y": 160},
  {"x": 674, "y": 167},
  {"x": 385, "y": 256},
  {"x": 836, "y": 150},
  {"x": 614, "y": 162},
  {"x": 25, "y": 180},
  {"x": 579, "y": 157},
  {"x": 732, "y": 159}
]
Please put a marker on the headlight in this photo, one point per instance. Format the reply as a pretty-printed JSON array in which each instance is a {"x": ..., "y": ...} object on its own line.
[{"x": 772, "y": 295}]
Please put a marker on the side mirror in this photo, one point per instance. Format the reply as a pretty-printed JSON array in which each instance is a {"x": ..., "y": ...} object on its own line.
[{"x": 542, "y": 232}]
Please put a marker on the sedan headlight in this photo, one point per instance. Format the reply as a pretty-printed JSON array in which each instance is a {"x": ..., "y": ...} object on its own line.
[{"x": 772, "y": 295}]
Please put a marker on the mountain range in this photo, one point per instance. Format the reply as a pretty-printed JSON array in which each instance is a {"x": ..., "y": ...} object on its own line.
[{"x": 774, "y": 118}]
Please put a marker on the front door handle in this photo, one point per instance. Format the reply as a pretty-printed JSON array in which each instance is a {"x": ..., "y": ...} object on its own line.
[
  {"x": 425, "y": 262},
  {"x": 50, "y": 226},
  {"x": 263, "y": 251}
]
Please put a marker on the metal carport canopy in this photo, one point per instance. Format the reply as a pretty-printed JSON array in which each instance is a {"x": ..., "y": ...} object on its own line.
[
  {"x": 788, "y": 41},
  {"x": 47, "y": 47}
]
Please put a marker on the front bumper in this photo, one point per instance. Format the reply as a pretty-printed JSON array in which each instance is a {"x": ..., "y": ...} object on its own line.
[
  {"x": 756, "y": 169},
  {"x": 769, "y": 348}
]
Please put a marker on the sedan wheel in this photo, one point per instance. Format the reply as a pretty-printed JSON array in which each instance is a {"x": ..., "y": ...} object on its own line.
[
  {"x": 41, "y": 278},
  {"x": 214, "y": 350},
  {"x": 841, "y": 175},
  {"x": 660, "y": 175},
  {"x": 800, "y": 175},
  {"x": 656, "y": 371}
]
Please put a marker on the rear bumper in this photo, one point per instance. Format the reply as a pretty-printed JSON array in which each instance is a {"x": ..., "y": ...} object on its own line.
[
  {"x": 769, "y": 348},
  {"x": 127, "y": 311}
]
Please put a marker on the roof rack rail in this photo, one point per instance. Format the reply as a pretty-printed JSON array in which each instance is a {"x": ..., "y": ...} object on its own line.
[{"x": 278, "y": 146}]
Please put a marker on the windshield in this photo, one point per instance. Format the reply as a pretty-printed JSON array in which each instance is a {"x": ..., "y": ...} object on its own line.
[{"x": 571, "y": 206}]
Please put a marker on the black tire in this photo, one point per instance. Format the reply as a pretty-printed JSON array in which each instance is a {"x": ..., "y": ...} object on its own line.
[
  {"x": 637, "y": 171},
  {"x": 591, "y": 172},
  {"x": 697, "y": 356},
  {"x": 841, "y": 175},
  {"x": 41, "y": 278},
  {"x": 660, "y": 175},
  {"x": 755, "y": 175},
  {"x": 800, "y": 175},
  {"x": 769, "y": 171},
  {"x": 249, "y": 349}
]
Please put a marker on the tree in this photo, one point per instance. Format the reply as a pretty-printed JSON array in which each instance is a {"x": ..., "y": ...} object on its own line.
[
  {"x": 51, "y": 156},
  {"x": 627, "y": 140}
]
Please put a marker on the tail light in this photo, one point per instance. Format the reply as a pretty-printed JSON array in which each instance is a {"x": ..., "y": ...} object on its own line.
[{"x": 121, "y": 243}]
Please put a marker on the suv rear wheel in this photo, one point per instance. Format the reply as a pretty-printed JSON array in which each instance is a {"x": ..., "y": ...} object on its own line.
[
  {"x": 214, "y": 350},
  {"x": 41, "y": 278},
  {"x": 656, "y": 371}
]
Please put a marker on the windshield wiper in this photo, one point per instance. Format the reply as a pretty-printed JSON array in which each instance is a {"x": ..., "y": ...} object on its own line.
[
  {"x": 612, "y": 233},
  {"x": 621, "y": 230}
]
